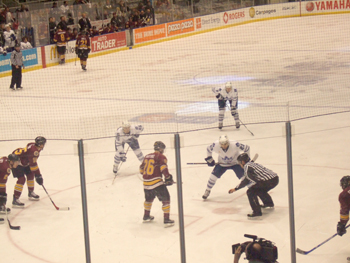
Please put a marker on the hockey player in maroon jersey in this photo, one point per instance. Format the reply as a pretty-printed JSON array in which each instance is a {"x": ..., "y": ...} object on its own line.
[
  {"x": 344, "y": 200},
  {"x": 154, "y": 165},
  {"x": 6, "y": 164},
  {"x": 60, "y": 38},
  {"x": 29, "y": 167},
  {"x": 82, "y": 48}
]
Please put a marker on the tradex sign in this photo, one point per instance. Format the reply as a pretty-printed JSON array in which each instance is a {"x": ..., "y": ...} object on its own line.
[
  {"x": 180, "y": 27},
  {"x": 109, "y": 41}
]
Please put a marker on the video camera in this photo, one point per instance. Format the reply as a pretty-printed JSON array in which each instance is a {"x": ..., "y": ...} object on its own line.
[{"x": 268, "y": 252}]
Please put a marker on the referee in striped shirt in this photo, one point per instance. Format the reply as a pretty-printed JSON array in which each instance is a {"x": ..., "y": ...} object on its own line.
[{"x": 259, "y": 180}]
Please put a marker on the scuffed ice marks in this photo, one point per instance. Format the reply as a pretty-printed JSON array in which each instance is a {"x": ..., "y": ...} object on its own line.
[{"x": 288, "y": 81}]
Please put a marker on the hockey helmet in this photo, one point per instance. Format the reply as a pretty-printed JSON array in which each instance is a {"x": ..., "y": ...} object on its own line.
[
  {"x": 126, "y": 124},
  {"x": 40, "y": 141},
  {"x": 158, "y": 145},
  {"x": 223, "y": 140},
  {"x": 228, "y": 85},
  {"x": 345, "y": 181},
  {"x": 243, "y": 157},
  {"x": 13, "y": 157}
]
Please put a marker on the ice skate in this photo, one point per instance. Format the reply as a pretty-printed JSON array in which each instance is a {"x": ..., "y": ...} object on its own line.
[
  {"x": 254, "y": 215},
  {"x": 16, "y": 203},
  {"x": 268, "y": 206},
  {"x": 115, "y": 169},
  {"x": 19, "y": 88},
  {"x": 33, "y": 196},
  {"x": 12, "y": 88},
  {"x": 168, "y": 222},
  {"x": 2, "y": 221},
  {"x": 2, "y": 210},
  {"x": 238, "y": 124},
  {"x": 148, "y": 218},
  {"x": 220, "y": 125},
  {"x": 206, "y": 194}
]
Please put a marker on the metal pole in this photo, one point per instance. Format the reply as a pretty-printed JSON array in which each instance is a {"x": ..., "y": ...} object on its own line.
[
  {"x": 290, "y": 192},
  {"x": 83, "y": 199},
  {"x": 179, "y": 198}
]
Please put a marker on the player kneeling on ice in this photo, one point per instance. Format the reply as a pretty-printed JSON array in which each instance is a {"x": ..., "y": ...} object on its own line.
[
  {"x": 29, "y": 167},
  {"x": 227, "y": 94},
  {"x": 6, "y": 164},
  {"x": 259, "y": 180},
  {"x": 228, "y": 152},
  {"x": 82, "y": 48},
  {"x": 128, "y": 134},
  {"x": 344, "y": 200},
  {"x": 152, "y": 168}
]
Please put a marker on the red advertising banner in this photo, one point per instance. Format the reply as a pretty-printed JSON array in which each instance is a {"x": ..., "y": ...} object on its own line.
[
  {"x": 149, "y": 33},
  {"x": 109, "y": 41},
  {"x": 180, "y": 27}
]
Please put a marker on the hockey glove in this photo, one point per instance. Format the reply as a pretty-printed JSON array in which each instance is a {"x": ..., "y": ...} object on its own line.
[
  {"x": 76, "y": 50},
  {"x": 88, "y": 50},
  {"x": 39, "y": 179},
  {"x": 341, "y": 229},
  {"x": 169, "y": 180},
  {"x": 3, "y": 199},
  {"x": 219, "y": 97},
  {"x": 210, "y": 161},
  {"x": 122, "y": 157},
  {"x": 4, "y": 53},
  {"x": 135, "y": 135}
]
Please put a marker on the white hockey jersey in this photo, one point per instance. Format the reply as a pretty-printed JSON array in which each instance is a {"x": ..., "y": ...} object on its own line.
[
  {"x": 229, "y": 156},
  {"x": 8, "y": 40},
  {"x": 26, "y": 45},
  {"x": 121, "y": 137},
  {"x": 232, "y": 95}
]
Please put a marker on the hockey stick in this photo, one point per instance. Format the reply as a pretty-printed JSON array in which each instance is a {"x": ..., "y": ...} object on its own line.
[
  {"x": 11, "y": 226},
  {"x": 253, "y": 160},
  {"x": 57, "y": 208},
  {"x": 303, "y": 252},
  {"x": 246, "y": 127},
  {"x": 120, "y": 165}
]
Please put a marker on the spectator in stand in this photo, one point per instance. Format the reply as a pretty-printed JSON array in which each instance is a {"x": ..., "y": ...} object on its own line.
[
  {"x": 63, "y": 24},
  {"x": 108, "y": 7},
  {"x": 78, "y": 2},
  {"x": 123, "y": 7},
  {"x": 149, "y": 16},
  {"x": 70, "y": 15},
  {"x": 10, "y": 38},
  {"x": 55, "y": 11},
  {"x": 96, "y": 12},
  {"x": 8, "y": 16},
  {"x": 64, "y": 7},
  {"x": 25, "y": 44},
  {"x": 84, "y": 22},
  {"x": 52, "y": 28},
  {"x": 2, "y": 16},
  {"x": 23, "y": 8},
  {"x": 144, "y": 20}
]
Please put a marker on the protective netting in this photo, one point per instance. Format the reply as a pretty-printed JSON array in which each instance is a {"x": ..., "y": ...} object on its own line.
[{"x": 167, "y": 86}]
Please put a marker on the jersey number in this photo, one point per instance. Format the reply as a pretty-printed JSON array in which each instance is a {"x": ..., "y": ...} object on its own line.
[{"x": 149, "y": 166}]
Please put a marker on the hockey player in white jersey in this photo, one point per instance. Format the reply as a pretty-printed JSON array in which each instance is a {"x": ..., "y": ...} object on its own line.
[
  {"x": 223, "y": 95},
  {"x": 129, "y": 134},
  {"x": 227, "y": 151}
]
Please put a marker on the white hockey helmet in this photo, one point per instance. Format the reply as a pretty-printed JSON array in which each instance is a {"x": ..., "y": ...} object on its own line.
[
  {"x": 125, "y": 124},
  {"x": 223, "y": 140},
  {"x": 228, "y": 85}
]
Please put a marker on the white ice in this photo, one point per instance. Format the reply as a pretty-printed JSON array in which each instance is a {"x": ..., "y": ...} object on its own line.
[{"x": 60, "y": 102}]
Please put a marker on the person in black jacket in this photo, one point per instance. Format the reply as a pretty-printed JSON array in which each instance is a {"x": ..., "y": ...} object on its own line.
[
  {"x": 52, "y": 28},
  {"x": 63, "y": 24},
  {"x": 84, "y": 23}
]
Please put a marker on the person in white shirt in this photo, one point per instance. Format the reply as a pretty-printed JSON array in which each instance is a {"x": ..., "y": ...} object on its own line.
[
  {"x": 25, "y": 44},
  {"x": 64, "y": 8},
  {"x": 227, "y": 151}
]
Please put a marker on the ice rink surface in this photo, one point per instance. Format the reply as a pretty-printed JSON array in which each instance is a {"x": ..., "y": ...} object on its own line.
[{"x": 56, "y": 103}]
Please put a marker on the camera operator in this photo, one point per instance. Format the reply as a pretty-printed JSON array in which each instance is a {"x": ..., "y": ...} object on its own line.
[{"x": 252, "y": 251}]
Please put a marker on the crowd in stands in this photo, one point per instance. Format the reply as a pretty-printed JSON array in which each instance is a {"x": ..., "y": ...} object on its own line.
[{"x": 103, "y": 18}]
